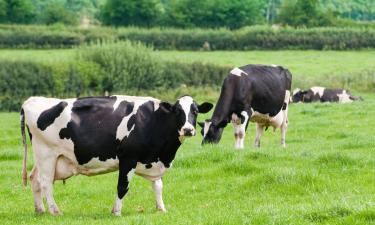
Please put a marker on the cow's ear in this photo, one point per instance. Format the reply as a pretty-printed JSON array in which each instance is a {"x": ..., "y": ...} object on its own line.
[
  {"x": 166, "y": 107},
  {"x": 201, "y": 124},
  {"x": 205, "y": 107}
]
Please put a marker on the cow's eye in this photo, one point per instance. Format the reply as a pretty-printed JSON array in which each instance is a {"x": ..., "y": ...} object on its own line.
[{"x": 195, "y": 112}]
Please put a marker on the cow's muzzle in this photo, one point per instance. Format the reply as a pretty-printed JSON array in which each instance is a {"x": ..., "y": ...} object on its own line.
[{"x": 187, "y": 132}]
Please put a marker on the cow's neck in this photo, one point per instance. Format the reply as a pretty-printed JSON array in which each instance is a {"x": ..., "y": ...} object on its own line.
[
  {"x": 168, "y": 132},
  {"x": 223, "y": 108}
]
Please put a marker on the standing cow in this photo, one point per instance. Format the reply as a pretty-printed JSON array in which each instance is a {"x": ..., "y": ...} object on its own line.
[
  {"x": 255, "y": 93},
  {"x": 322, "y": 94},
  {"x": 97, "y": 135}
]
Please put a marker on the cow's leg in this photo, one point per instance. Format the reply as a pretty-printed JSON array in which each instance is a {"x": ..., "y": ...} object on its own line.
[
  {"x": 37, "y": 191},
  {"x": 157, "y": 185},
  {"x": 126, "y": 172},
  {"x": 258, "y": 135},
  {"x": 284, "y": 127},
  {"x": 46, "y": 169},
  {"x": 240, "y": 124}
]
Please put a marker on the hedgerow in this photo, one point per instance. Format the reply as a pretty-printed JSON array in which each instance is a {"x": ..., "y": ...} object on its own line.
[{"x": 248, "y": 38}]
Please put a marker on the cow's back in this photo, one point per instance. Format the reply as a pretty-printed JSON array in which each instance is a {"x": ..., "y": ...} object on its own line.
[{"x": 266, "y": 87}]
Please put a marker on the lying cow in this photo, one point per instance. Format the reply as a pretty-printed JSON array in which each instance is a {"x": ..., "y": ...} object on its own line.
[
  {"x": 321, "y": 94},
  {"x": 98, "y": 135},
  {"x": 255, "y": 93}
]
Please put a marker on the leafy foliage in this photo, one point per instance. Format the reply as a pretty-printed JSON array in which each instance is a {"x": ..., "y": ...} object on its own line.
[
  {"x": 131, "y": 12},
  {"x": 247, "y": 38},
  {"x": 113, "y": 68},
  {"x": 304, "y": 13}
]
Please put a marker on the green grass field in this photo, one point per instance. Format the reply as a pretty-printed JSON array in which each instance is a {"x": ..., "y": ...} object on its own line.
[
  {"x": 310, "y": 63},
  {"x": 326, "y": 175},
  {"x": 348, "y": 69}
]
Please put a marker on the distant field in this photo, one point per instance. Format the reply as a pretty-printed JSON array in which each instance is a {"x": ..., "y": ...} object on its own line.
[
  {"x": 326, "y": 175},
  {"x": 310, "y": 63}
]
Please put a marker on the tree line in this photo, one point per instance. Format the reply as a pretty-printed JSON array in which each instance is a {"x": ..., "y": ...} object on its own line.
[{"x": 232, "y": 14}]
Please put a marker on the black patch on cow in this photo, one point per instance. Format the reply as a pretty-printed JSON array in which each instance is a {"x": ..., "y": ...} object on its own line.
[
  {"x": 285, "y": 105},
  {"x": 48, "y": 116},
  {"x": 30, "y": 135},
  {"x": 148, "y": 166},
  {"x": 93, "y": 127},
  {"x": 131, "y": 122},
  {"x": 193, "y": 113}
]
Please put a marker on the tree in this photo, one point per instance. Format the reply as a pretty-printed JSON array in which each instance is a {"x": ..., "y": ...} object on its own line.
[
  {"x": 214, "y": 13},
  {"x": 304, "y": 13},
  {"x": 57, "y": 13},
  {"x": 3, "y": 10},
  {"x": 131, "y": 12},
  {"x": 20, "y": 11}
]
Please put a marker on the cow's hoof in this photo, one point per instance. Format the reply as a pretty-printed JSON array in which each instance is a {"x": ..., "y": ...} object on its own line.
[
  {"x": 55, "y": 211},
  {"x": 40, "y": 209},
  {"x": 116, "y": 212},
  {"x": 161, "y": 209}
]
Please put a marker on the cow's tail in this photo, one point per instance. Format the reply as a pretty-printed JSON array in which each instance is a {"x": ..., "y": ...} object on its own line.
[
  {"x": 356, "y": 98},
  {"x": 24, "y": 163}
]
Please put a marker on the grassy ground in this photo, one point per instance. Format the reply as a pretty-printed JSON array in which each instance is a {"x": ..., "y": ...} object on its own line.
[
  {"x": 339, "y": 69},
  {"x": 326, "y": 175},
  {"x": 307, "y": 63},
  {"x": 310, "y": 63}
]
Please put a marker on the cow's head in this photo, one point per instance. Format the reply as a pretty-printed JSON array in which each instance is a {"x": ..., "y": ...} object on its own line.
[
  {"x": 186, "y": 111},
  {"x": 298, "y": 95},
  {"x": 212, "y": 132}
]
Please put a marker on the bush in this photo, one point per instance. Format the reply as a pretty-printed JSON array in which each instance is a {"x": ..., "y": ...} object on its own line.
[
  {"x": 248, "y": 38},
  {"x": 126, "y": 65},
  {"x": 116, "y": 68}
]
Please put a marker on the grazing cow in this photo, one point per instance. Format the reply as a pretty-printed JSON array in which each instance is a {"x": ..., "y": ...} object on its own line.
[
  {"x": 321, "y": 94},
  {"x": 98, "y": 135},
  {"x": 255, "y": 93}
]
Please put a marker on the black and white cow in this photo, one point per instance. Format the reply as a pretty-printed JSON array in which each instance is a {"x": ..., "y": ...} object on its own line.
[
  {"x": 255, "y": 93},
  {"x": 97, "y": 135},
  {"x": 322, "y": 94}
]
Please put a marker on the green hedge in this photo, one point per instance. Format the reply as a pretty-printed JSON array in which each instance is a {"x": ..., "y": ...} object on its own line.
[
  {"x": 121, "y": 68},
  {"x": 128, "y": 68},
  {"x": 257, "y": 37}
]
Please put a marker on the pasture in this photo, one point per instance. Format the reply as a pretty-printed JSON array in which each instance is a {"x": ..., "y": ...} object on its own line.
[
  {"x": 326, "y": 175},
  {"x": 307, "y": 63}
]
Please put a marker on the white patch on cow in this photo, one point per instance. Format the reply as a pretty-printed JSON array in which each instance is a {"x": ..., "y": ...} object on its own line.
[
  {"x": 344, "y": 97},
  {"x": 287, "y": 96},
  {"x": 157, "y": 185},
  {"x": 273, "y": 65},
  {"x": 318, "y": 90},
  {"x": 117, "y": 207},
  {"x": 237, "y": 72},
  {"x": 122, "y": 129},
  {"x": 239, "y": 129},
  {"x": 154, "y": 173},
  {"x": 206, "y": 127},
  {"x": 266, "y": 119},
  {"x": 186, "y": 103},
  {"x": 129, "y": 98},
  {"x": 130, "y": 174},
  {"x": 96, "y": 166},
  {"x": 116, "y": 104}
]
